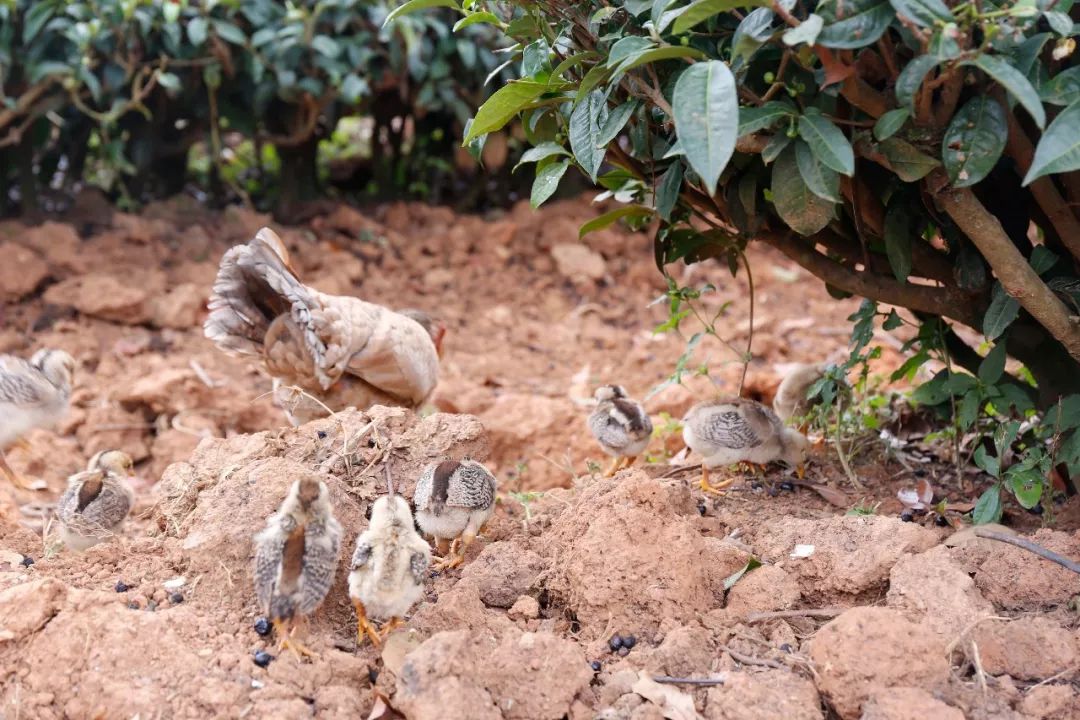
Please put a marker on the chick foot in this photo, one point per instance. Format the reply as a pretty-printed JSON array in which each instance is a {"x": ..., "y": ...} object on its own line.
[
  {"x": 708, "y": 487},
  {"x": 285, "y": 632},
  {"x": 365, "y": 629}
]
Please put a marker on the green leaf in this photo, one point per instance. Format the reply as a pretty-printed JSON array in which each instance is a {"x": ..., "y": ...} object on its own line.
[
  {"x": 1013, "y": 81},
  {"x": 933, "y": 392},
  {"x": 197, "y": 29},
  {"x": 829, "y": 144},
  {"x": 667, "y": 191},
  {"x": 795, "y": 203},
  {"x": 599, "y": 223},
  {"x": 169, "y": 81},
  {"x": 974, "y": 141},
  {"x": 1000, "y": 315},
  {"x": 967, "y": 411},
  {"x": 507, "y": 102},
  {"x": 596, "y": 75},
  {"x": 326, "y": 45},
  {"x": 754, "y": 30},
  {"x": 992, "y": 366},
  {"x": 1058, "y": 150},
  {"x": 706, "y": 109},
  {"x": 752, "y": 119},
  {"x": 821, "y": 180},
  {"x": 805, "y": 32},
  {"x": 585, "y": 132},
  {"x": 911, "y": 79},
  {"x": 1067, "y": 415},
  {"x": 1063, "y": 88},
  {"x": 36, "y": 16},
  {"x": 658, "y": 54},
  {"x": 730, "y": 580},
  {"x": 353, "y": 88},
  {"x": 628, "y": 47},
  {"x": 701, "y": 10},
  {"x": 987, "y": 462},
  {"x": 478, "y": 17},
  {"x": 890, "y": 123},
  {"x": 923, "y": 12},
  {"x": 853, "y": 24},
  {"x": 1042, "y": 259},
  {"x": 1005, "y": 435},
  {"x": 908, "y": 162},
  {"x": 534, "y": 60},
  {"x": 228, "y": 32},
  {"x": 414, "y": 5},
  {"x": 1026, "y": 485},
  {"x": 988, "y": 507},
  {"x": 541, "y": 151},
  {"x": 774, "y": 147},
  {"x": 1059, "y": 22},
  {"x": 573, "y": 61},
  {"x": 897, "y": 231},
  {"x": 615, "y": 122},
  {"x": 547, "y": 181}
]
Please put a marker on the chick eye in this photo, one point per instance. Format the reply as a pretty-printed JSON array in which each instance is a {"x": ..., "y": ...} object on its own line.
[{"x": 367, "y": 513}]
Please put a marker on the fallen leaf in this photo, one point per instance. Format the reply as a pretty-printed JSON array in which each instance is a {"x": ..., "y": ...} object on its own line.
[
  {"x": 830, "y": 494},
  {"x": 396, "y": 647},
  {"x": 674, "y": 704},
  {"x": 962, "y": 537}
]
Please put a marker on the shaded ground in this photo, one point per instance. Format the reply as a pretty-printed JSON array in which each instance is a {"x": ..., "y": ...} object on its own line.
[{"x": 536, "y": 320}]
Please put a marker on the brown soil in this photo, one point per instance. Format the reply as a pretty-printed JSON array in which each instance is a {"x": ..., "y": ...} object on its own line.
[{"x": 522, "y": 630}]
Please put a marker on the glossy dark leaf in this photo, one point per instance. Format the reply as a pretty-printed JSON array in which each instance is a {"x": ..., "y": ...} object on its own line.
[
  {"x": 754, "y": 118},
  {"x": 890, "y": 123},
  {"x": 853, "y": 23},
  {"x": 908, "y": 162},
  {"x": 585, "y": 132},
  {"x": 988, "y": 507},
  {"x": 822, "y": 181},
  {"x": 797, "y": 205},
  {"x": 1058, "y": 150},
  {"x": 974, "y": 141},
  {"x": 547, "y": 181},
  {"x": 911, "y": 79},
  {"x": 924, "y": 12},
  {"x": 706, "y": 111},
  {"x": 1000, "y": 315},
  {"x": 1013, "y": 81},
  {"x": 992, "y": 366},
  {"x": 897, "y": 233},
  {"x": 828, "y": 142},
  {"x": 667, "y": 191}
]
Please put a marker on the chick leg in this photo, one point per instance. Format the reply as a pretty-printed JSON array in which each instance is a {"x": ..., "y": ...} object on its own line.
[
  {"x": 364, "y": 627},
  {"x": 13, "y": 477},
  {"x": 613, "y": 468},
  {"x": 629, "y": 461},
  {"x": 285, "y": 631},
  {"x": 706, "y": 487},
  {"x": 391, "y": 626},
  {"x": 453, "y": 558}
]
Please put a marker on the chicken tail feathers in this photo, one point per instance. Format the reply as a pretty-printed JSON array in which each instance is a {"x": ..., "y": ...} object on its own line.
[{"x": 255, "y": 285}]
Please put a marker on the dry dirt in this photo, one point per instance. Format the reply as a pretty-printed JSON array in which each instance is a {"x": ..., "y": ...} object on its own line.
[{"x": 907, "y": 627}]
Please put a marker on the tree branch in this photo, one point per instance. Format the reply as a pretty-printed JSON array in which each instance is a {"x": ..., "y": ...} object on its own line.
[
  {"x": 946, "y": 302},
  {"x": 1009, "y": 265}
]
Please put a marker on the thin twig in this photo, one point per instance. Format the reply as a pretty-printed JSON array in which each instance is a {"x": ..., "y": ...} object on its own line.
[
  {"x": 1030, "y": 547},
  {"x": 750, "y": 659},
  {"x": 750, "y": 331},
  {"x": 678, "y": 471},
  {"x": 969, "y": 628},
  {"x": 810, "y": 612},
  {"x": 704, "y": 682}
]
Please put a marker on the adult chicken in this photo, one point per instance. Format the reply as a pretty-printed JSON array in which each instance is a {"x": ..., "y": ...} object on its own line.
[{"x": 324, "y": 352}]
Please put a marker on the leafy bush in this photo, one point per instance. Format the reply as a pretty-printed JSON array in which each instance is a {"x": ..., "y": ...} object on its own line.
[
  {"x": 131, "y": 86},
  {"x": 918, "y": 153}
]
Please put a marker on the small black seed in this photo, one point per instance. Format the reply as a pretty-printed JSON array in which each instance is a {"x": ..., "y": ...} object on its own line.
[
  {"x": 27, "y": 561},
  {"x": 624, "y": 651},
  {"x": 907, "y": 516},
  {"x": 942, "y": 521},
  {"x": 701, "y": 508},
  {"x": 790, "y": 487},
  {"x": 596, "y": 666},
  {"x": 321, "y": 434},
  {"x": 121, "y": 586},
  {"x": 176, "y": 598},
  {"x": 785, "y": 648},
  {"x": 629, "y": 641},
  {"x": 615, "y": 643},
  {"x": 262, "y": 658},
  {"x": 373, "y": 674},
  {"x": 1037, "y": 510},
  {"x": 919, "y": 472},
  {"x": 262, "y": 626}
]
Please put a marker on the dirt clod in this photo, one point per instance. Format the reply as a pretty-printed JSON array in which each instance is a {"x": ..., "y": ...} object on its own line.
[{"x": 908, "y": 703}]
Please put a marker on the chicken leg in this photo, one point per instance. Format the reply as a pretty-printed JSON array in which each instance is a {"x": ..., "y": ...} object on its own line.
[
  {"x": 393, "y": 624},
  {"x": 285, "y": 630},
  {"x": 13, "y": 477},
  {"x": 707, "y": 487},
  {"x": 364, "y": 627},
  {"x": 613, "y": 468},
  {"x": 454, "y": 557}
]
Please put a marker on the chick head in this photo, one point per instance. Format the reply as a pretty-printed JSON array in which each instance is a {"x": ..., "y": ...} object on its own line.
[
  {"x": 56, "y": 365},
  {"x": 609, "y": 392}
]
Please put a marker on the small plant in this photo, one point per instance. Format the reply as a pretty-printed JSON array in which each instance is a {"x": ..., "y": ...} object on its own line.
[{"x": 863, "y": 509}]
